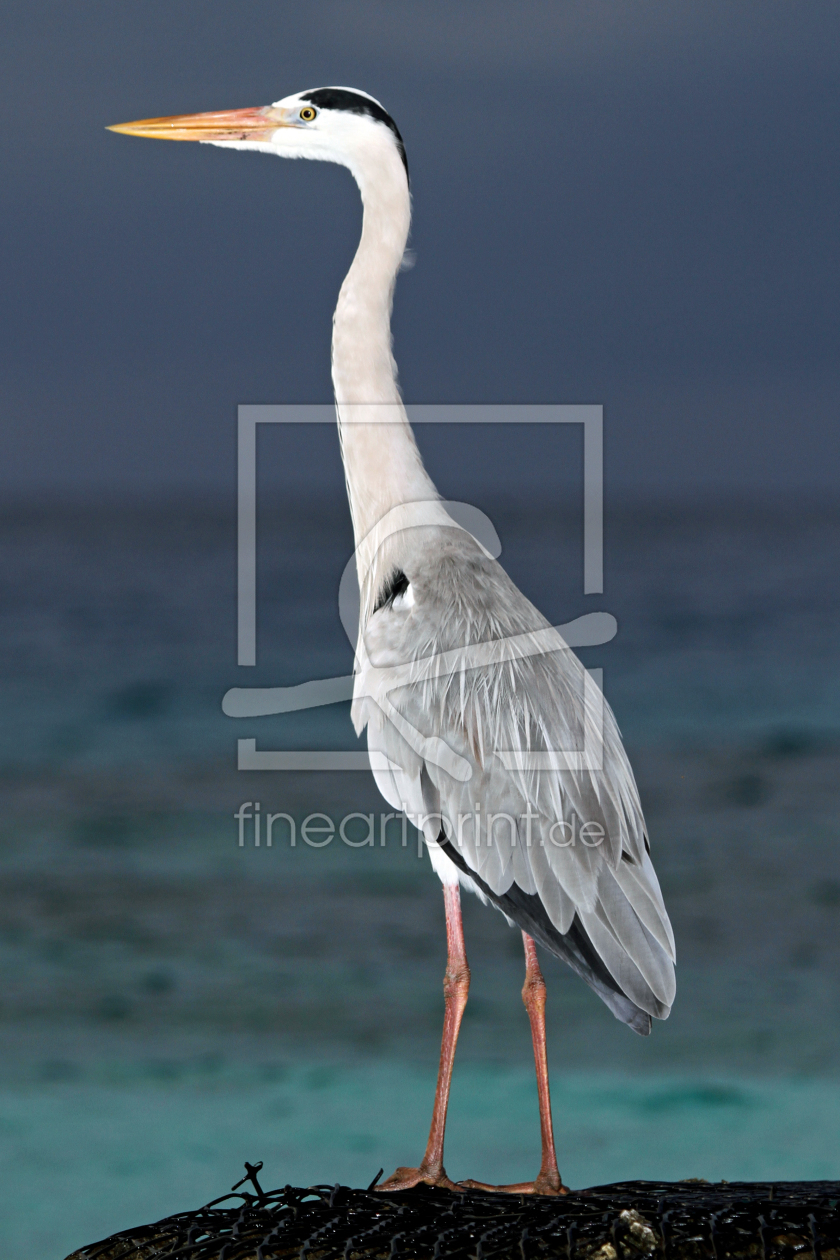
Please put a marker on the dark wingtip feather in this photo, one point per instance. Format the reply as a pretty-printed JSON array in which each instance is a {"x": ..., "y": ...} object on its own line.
[{"x": 641, "y": 1024}]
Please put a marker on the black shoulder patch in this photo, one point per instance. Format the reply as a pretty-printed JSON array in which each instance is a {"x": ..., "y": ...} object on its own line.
[
  {"x": 396, "y": 585},
  {"x": 354, "y": 103}
]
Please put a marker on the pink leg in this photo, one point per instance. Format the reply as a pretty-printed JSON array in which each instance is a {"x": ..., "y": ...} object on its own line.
[
  {"x": 456, "y": 985},
  {"x": 533, "y": 995},
  {"x": 548, "y": 1179}
]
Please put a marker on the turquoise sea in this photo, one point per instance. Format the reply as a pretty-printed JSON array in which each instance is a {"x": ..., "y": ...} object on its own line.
[{"x": 173, "y": 1004}]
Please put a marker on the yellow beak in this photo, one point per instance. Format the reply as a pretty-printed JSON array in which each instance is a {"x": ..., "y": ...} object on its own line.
[{"x": 231, "y": 124}]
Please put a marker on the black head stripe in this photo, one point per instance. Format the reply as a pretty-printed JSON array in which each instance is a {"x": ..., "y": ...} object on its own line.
[{"x": 354, "y": 103}]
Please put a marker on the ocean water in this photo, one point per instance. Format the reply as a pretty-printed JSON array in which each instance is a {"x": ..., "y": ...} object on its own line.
[
  {"x": 145, "y": 1147},
  {"x": 173, "y": 1004}
]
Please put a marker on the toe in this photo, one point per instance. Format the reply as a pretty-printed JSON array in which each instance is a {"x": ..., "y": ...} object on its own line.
[
  {"x": 408, "y": 1178},
  {"x": 543, "y": 1185},
  {"x": 402, "y": 1179}
]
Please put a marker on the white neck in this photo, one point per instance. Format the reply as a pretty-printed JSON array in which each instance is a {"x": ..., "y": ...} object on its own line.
[{"x": 382, "y": 464}]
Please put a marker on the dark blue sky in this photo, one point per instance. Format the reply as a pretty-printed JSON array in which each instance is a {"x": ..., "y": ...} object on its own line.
[{"x": 633, "y": 204}]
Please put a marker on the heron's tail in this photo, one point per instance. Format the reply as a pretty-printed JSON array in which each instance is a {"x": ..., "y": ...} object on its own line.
[{"x": 574, "y": 947}]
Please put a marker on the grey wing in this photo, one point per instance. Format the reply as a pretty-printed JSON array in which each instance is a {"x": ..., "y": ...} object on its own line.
[{"x": 559, "y": 846}]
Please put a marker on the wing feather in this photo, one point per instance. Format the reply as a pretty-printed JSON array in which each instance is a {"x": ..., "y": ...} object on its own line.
[{"x": 420, "y": 683}]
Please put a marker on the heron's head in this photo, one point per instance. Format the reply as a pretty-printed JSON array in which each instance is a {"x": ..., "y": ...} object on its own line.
[{"x": 330, "y": 124}]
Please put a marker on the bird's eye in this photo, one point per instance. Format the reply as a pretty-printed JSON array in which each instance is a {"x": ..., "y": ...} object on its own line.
[{"x": 307, "y": 113}]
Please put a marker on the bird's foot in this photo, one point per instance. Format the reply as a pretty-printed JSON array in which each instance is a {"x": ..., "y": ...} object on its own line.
[
  {"x": 545, "y": 1183},
  {"x": 425, "y": 1175}
]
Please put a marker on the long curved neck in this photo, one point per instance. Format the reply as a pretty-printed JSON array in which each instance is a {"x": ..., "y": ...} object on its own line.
[{"x": 382, "y": 464}]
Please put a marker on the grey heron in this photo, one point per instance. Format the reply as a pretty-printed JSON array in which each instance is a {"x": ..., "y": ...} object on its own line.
[{"x": 475, "y": 707}]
